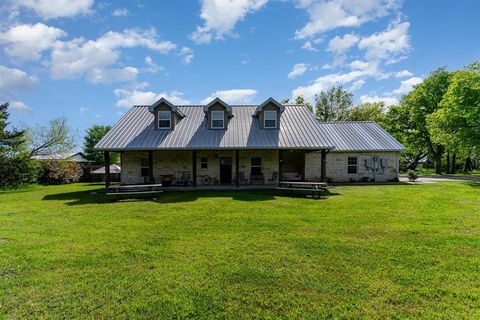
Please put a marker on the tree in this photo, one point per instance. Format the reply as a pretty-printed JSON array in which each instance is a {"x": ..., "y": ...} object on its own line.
[
  {"x": 423, "y": 100},
  {"x": 93, "y": 136},
  {"x": 368, "y": 111},
  {"x": 15, "y": 165},
  {"x": 333, "y": 105},
  {"x": 55, "y": 137},
  {"x": 299, "y": 100}
]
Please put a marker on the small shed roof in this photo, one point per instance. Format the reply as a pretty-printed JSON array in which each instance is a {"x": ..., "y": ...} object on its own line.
[
  {"x": 114, "y": 168},
  {"x": 68, "y": 156}
]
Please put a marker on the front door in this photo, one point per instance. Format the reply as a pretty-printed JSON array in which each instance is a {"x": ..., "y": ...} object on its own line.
[{"x": 226, "y": 170}]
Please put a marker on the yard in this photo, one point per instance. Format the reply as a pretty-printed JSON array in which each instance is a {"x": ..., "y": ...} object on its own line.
[{"x": 364, "y": 251}]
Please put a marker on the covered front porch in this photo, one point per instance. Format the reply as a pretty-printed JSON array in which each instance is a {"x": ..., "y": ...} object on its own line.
[{"x": 219, "y": 169}]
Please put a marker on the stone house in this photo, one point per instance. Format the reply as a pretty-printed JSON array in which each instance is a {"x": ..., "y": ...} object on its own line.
[{"x": 227, "y": 144}]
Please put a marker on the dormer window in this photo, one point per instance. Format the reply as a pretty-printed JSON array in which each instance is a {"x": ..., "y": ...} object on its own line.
[
  {"x": 164, "y": 119},
  {"x": 218, "y": 120},
  {"x": 270, "y": 119}
]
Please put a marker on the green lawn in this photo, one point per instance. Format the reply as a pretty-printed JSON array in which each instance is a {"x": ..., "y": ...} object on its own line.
[{"x": 399, "y": 251}]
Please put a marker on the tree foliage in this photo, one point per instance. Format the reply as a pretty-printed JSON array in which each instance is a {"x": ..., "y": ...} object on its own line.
[
  {"x": 333, "y": 104},
  {"x": 93, "y": 135},
  {"x": 55, "y": 137},
  {"x": 368, "y": 111},
  {"x": 299, "y": 100}
]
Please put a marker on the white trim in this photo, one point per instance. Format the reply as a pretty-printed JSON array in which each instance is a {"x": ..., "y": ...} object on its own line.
[
  {"x": 169, "y": 120},
  {"x": 265, "y": 118},
  {"x": 223, "y": 119}
]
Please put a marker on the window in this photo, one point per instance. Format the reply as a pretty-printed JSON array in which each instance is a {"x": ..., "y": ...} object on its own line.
[
  {"x": 164, "y": 119},
  {"x": 144, "y": 170},
  {"x": 218, "y": 119},
  {"x": 256, "y": 166},
  {"x": 204, "y": 163},
  {"x": 352, "y": 165},
  {"x": 270, "y": 119}
]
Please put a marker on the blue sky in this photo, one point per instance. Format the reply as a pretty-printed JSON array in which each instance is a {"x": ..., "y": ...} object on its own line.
[{"x": 89, "y": 60}]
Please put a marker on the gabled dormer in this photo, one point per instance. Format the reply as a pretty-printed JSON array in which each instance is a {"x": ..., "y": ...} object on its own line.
[
  {"x": 166, "y": 114},
  {"x": 269, "y": 114},
  {"x": 218, "y": 114}
]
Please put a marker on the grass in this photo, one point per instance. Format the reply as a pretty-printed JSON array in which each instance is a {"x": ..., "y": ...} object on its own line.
[
  {"x": 398, "y": 251},
  {"x": 431, "y": 172}
]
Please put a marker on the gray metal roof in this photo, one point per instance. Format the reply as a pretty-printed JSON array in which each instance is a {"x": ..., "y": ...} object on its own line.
[
  {"x": 114, "y": 168},
  {"x": 359, "y": 136},
  {"x": 69, "y": 156},
  {"x": 136, "y": 131}
]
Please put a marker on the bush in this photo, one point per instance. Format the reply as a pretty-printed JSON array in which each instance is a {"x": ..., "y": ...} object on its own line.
[
  {"x": 412, "y": 175},
  {"x": 59, "y": 172},
  {"x": 18, "y": 170}
]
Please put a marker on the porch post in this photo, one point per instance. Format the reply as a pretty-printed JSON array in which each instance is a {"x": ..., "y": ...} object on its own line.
[
  {"x": 237, "y": 166},
  {"x": 280, "y": 165},
  {"x": 150, "y": 166},
  {"x": 194, "y": 167},
  {"x": 106, "y": 156},
  {"x": 323, "y": 172}
]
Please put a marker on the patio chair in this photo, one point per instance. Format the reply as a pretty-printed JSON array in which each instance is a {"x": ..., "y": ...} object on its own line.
[
  {"x": 184, "y": 179},
  {"x": 241, "y": 177},
  {"x": 274, "y": 177}
]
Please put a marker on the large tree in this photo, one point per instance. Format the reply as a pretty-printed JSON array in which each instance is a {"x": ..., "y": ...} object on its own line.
[
  {"x": 333, "y": 104},
  {"x": 422, "y": 101},
  {"x": 54, "y": 137},
  {"x": 368, "y": 111},
  {"x": 92, "y": 137}
]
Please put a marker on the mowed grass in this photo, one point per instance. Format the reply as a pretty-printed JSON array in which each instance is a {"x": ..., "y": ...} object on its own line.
[{"x": 398, "y": 251}]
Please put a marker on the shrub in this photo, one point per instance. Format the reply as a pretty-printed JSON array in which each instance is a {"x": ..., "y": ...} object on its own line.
[
  {"x": 412, "y": 175},
  {"x": 59, "y": 172},
  {"x": 18, "y": 170},
  {"x": 364, "y": 179}
]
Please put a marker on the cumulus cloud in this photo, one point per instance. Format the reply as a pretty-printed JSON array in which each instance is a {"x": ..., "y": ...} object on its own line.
[
  {"x": 51, "y": 9},
  {"x": 19, "y": 106},
  {"x": 326, "y": 15},
  {"x": 128, "y": 97},
  {"x": 403, "y": 74},
  {"x": 221, "y": 16},
  {"x": 388, "y": 44},
  {"x": 152, "y": 66},
  {"x": 298, "y": 70},
  {"x": 110, "y": 75},
  {"x": 389, "y": 101},
  {"x": 120, "y": 12},
  {"x": 14, "y": 80},
  {"x": 27, "y": 42},
  {"x": 340, "y": 45},
  {"x": 407, "y": 85},
  {"x": 187, "y": 54},
  {"x": 238, "y": 96},
  {"x": 75, "y": 58}
]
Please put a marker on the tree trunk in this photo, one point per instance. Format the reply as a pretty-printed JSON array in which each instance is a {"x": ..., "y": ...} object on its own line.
[
  {"x": 438, "y": 160},
  {"x": 454, "y": 164},
  {"x": 448, "y": 163},
  {"x": 468, "y": 165}
]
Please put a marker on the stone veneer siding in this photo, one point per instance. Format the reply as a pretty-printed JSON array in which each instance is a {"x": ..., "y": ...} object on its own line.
[
  {"x": 177, "y": 162},
  {"x": 337, "y": 166}
]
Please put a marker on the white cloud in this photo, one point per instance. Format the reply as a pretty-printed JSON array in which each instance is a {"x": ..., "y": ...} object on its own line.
[
  {"x": 221, "y": 16},
  {"x": 308, "y": 46},
  {"x": 152, "y": 66},
  {"x": 110, "y": 75},
  {"x": 298, "y": 70},
  {"x": 128, "y": 97},
  {"x": 120, "y": 12},
  {"x": 387, "y": 44},
  {"x": 83, "y": 109},
  {"x": 13, "y": 80},
  {"x": 238, "y": 96},
  {"x": 75, "y": 58},
  {"x": 357, "y": 85},
  {"x": 326, "y": 15},
  {"x": 27, "y": 42},
  {"x": 50, "y": 9},
  {"x": 407, "y": 85},
  {"x": 403, "y": 74},
  {"x": 187, "y": 54},
  {"x": 340, "y": 45},
  {"x": 19, "y": 106},
  {"x": 389, "y": 101}
]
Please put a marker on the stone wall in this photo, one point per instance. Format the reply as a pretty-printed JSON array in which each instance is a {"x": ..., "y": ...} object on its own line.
[
  {"x": 177, "y": 162},
  {"x": 337, "y": 166}
]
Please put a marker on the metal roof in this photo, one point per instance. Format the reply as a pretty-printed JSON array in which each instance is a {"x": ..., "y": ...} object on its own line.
[
  {"x": 114, "y": 168},
  {"x": 360, "y": 136},
  {"x": 69, "y": 156},
  {"x": 136, "y": 131}
]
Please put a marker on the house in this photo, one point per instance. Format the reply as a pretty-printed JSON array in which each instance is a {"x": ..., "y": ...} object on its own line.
[
  {"x": 227, "y": 144},
  {"x": 62, "y": 156}
]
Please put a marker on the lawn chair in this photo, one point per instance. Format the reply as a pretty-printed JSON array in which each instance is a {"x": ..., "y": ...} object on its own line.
[
  {"x": 274, "y": 178},
  {"x": 184, "y": 179}
]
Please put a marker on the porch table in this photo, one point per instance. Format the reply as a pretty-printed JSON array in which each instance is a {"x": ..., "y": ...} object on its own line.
[
  {"x": 134, "y": 189},
  {"x": 313, "y": 188}
]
